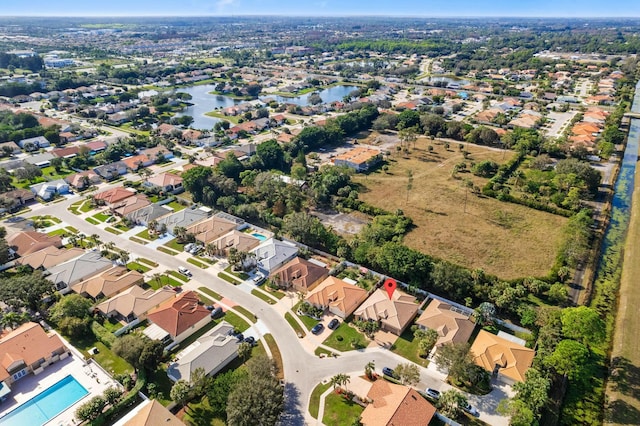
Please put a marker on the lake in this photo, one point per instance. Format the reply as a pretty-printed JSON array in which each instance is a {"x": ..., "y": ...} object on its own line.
[{"x": 202, "y": 102}]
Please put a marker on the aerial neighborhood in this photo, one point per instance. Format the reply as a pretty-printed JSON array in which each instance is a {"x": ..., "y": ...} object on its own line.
[{"x": 263, "y": 221}]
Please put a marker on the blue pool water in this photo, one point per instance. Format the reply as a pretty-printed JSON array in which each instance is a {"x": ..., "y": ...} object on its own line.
[
  {"x": 47, "y": 404},
  {"x": 259, "y": 236}
]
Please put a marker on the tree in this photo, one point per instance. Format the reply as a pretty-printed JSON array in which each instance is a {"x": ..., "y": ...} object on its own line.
[
  {"x": 369, "y": 369},
  {"x": 13, "y": 319},
  {"x": 200, "y": 382},
  {"x": 485, "y": 313},
  {"x": 244, "y": 350},
  {"x": 518, "y": 412},
  {"x": 534, "y": 391},
  {"x": 218, "y": 392},
  {"x": 367, "y": 327},
  {"x": 583, "y": 324},
  {"x": 427, "y": 342},
  {"x": 28, "y": 172},
  {"x": 568, "y": 358},
  {"x": 73, "y": 305},
  {"x": 271, "y": 155},
  {"x": 74, "y": 327},
  {"x": 455, "y": 358},
  {"x": 111, "y": 395},
  {"x": 91, "y": 409},
  {"x": 408, "y": 373},
  {"x": 340, "y": 380},
  {"x": 407, "y": 136},
  {"x": 258, "y": 398},
  {"x": 230, "y": 167},
  {"x": 138, "y": 350},
  {"x": 195, "y": 180},
  {"x": 180, "y": 392},
  {"x": 450, "y": 402},
  {"x": 57, "y": 162},
  {"x": 25, "y": 290}
]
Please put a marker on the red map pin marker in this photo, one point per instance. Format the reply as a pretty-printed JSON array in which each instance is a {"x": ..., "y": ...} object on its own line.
[{"x": 390, "y": 285}]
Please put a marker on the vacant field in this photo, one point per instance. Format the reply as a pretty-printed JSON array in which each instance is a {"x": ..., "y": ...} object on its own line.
[
  {"x": 623, "y": 389},
  {"x": 504, "y": 239}
]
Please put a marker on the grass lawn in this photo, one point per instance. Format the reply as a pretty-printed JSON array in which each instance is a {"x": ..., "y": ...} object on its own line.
[
  {"x": 102, "y": 217},
  {"x": 347, "y": 334},
  {"x": 314, "y": 401},
  {"x": 146, "y": 236},
  {"x": 176, "y": 206},
  {"x": 164, "y": 280},
  {"x": 51, "y": 174},
  {"x": 259, "y": 294},
  {"x": 178, "y": 275},
  {"x": 138, "y": 240},
  {"x": 276, "y": 293},
  {"x": 163, "y": 384},
  {"x": 243, "y": 276},
  {"x": 320, "y": 350},
  {"x": 113, "y": 230},
  {"x": 525, "y": 244},
  {"x": 200, "y": 413},
  {"x": 237, "y": 322},
  {"x": 72, "y": 230},
  {"x": 136, "y": 266},
  {"x": 147, "y": 262},
  {"x": 47, "y": 218},
  {"x": 294, "y": 324},
  {"x": 107, "y": 359},
  {"x": 200, "y": 265},
  {"x": 340, "y": 412},
  {"x": 92, "y": 221},
  {"x": 210, "y": 293},
  {"x": 226, "y": 277},
  {"x": 61, "y": 232},
  {"x": 221, "y": 116},
  {"x": 166, "y": 250},
  {"x": 277, "y": 356},
  {"x": 112, "y": 325},
  {"x": 406, "y": 346},
  {"x": 86, "y": 207},
  {"x": 175, "y": 245},
  {"x": 206, "y": 260},
  {"x": 307, "y": 321},
  {"x": 246, "y": 313}
]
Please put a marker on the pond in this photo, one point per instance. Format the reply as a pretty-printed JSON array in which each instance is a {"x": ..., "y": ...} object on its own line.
[{"x": 202, "y": 102}]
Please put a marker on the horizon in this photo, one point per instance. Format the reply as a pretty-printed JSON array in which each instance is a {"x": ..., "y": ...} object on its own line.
[{"x": 561, "y": 9}]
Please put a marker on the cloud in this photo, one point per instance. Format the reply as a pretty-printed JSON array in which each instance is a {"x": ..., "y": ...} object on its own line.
[{"x": 224, "y": 3}]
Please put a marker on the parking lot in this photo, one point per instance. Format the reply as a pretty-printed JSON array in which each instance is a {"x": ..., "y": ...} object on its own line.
[{"x": 557, "y": 122}]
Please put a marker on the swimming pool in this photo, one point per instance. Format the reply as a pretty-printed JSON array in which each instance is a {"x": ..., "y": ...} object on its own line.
[
  {"x": 259, "y": 236},
  {"x": 47, "y": 404}
]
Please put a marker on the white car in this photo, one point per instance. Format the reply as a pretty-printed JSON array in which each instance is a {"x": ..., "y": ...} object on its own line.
[{"x": 184, "y": 271}]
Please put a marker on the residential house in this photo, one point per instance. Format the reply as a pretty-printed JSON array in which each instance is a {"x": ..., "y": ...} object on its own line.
[
  {"x": 48, "y": 190},
  {"x": 133, "y": 303},
  {"x": 211, "y": 352},
  {"x": 11, "y": 147},
  {"x": 183, "y": 218},
  {"x": 149, "y": 413},
  {"x": 158, "y": 154},
  {"x": 359, "y": 159},
  {"x": 177, "y": 319},
  {"x": 299, "y": 274},
  {"x": 83, "y": 179},
  {"x": 15, "y": 199},
  {"x": 340, "y": 297},
  {"x": 211, "y": 229},
  {"x": 130, "y": 205},
  {"x": 393, "y": 404},
  {"x": 394, "y": 314},
  {"x": 507, "y": 360},
  {"x": 108, "y": 283},
  {"x": 24, "y": 243},
  {"x": 113, "y": 196},
  {"x": 135, "y": 162},
  {"x": 65, "y": 275},
  {"x": 112, "y": 170},
  {"x": 272, "y": 254},
  {"x": 453, "y": 325},
  {"x": 166, "y": 182},
  {"x": 41, "y": 160},
  {"x": 49, "y": 256},
  {"x": 238, "y": 240},
  {"x": 96, "y": 146},
  {"x": 146, "y": 214},
  {"x": 67, "y": 152},
  {"x": 27, "y": 350},
  {"x": 32, "y": 144},
  {"x": 191, "y": 136}
]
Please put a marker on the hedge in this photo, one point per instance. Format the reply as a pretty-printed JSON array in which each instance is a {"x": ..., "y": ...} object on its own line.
[{"x": 102, "y": 334}]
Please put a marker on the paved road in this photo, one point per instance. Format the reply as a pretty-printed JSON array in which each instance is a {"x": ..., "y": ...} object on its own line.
[{"x": 302, "y": 369}]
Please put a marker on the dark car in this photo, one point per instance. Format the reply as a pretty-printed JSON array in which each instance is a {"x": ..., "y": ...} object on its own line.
[
  {"x": 317, "y": 329},
  {"x": 388, "y": 372},
  {"x": 240, "y": 337},
  {"x": 333, "y": 324},
  {"x": 216, "y": 312},
  {"x": 250, "y": 340}
]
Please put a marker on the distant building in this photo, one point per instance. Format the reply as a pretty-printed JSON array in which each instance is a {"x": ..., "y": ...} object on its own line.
[{"x": 359, "y": 159}]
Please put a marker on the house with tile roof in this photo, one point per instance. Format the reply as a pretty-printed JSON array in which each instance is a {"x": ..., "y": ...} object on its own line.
[
  {"x": 177, "y": 319},
  {"x": 65, "y": 275},
  {"x": 27, "y": 350},
  {"x": 83, "y": 179},
  {"x": 393, "y": 314},
  {"x": 130, "y": 205},
  {"x": 184, "y": 218},
  {"x": 49, "y": 257},
  {"x": 146, "y": 214},
  {"x": 166, "y": 182},
  {"x": 137, "y": 161},
  {"x": 506, "y": 360},
  {"x": 235, "y": 239},
  {"x": 158, "y": 153},
  {"x": 113, "y": 196},
  {"x": 300, "y": 275},
  {"x": 393, "y": 404},
  {"x": 211, "y": 352},
  {"x": 452, "y": 325},
  {"x": 149, "y": 413},
  {"x": 340, "y": 297},
  {"x": 359, "y": 159},
  {"x": 15, "y": 199},
  {"x": 272, "y": 254},
  {"x": 134, "y": 303},
  {"x": 108, "y": 283},
  {"x": 26, "y": 242}
]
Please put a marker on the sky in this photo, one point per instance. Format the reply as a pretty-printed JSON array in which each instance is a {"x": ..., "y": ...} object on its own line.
[{"x": 428, "y": 8}]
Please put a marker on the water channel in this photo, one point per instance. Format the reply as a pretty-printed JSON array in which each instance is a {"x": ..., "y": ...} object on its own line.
[
  {"x": 616, "y": 231},
  {"x": 204, "y": 102}
]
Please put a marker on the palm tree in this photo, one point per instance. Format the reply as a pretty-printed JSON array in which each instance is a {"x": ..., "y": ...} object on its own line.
[
  {"x": 13, "y": 319},
  {"x": 158, "y": 278},
  {"x": 369, "y": 369},
  {"x": 210, "y": 249},
  {"x": 341, "y": 380}
]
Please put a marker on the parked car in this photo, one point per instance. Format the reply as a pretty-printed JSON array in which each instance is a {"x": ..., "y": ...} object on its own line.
[
  {"x": 184, "y": 271},
  {"x": 333, "y": 324},
  {"x": 195, "y": 249},
  {"x": 257, "y": 280},
  {"x": 188, "y": 246},
  {"x": 470, "y": 409},
  {"x": 388, "y": 372},
  {"x": 432, "y": 393},
  {"x": 317, "y": 329},
  {"x": 250, "y": 340},
  {"x": 216, "y": 312},
  {"x": 240, "y": 337}
]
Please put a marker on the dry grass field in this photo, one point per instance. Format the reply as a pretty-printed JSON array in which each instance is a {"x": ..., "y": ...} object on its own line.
[{"x": 504, "y": 239}]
